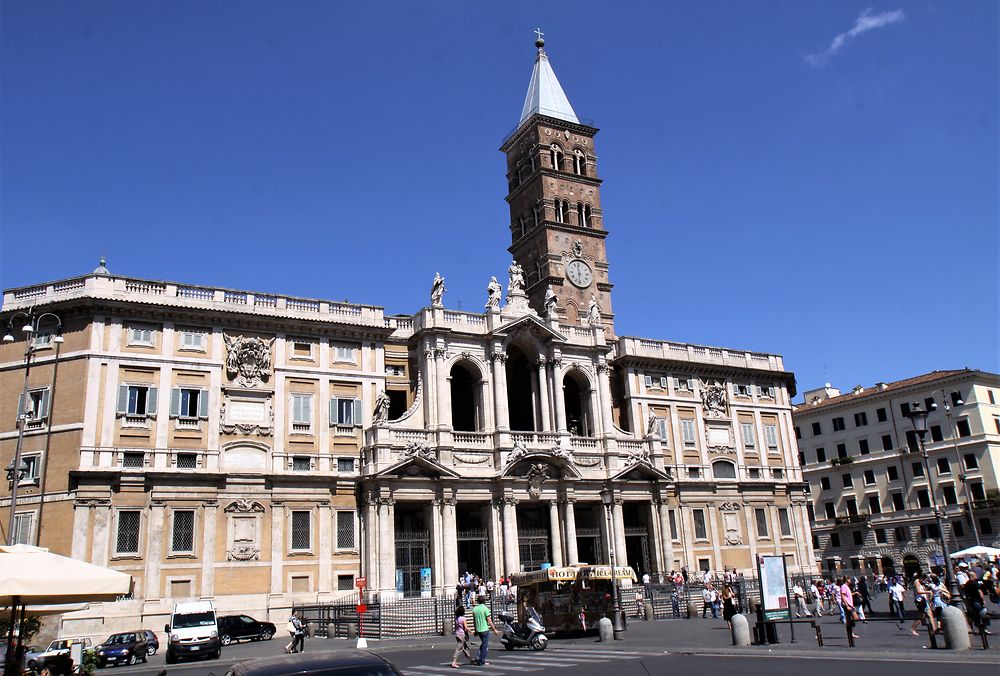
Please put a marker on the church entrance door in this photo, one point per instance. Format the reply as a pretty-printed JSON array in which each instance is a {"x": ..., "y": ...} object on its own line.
[
  {"x": 473, "y": 553},
  {"x": 637, "y": 550},
  {"x": 412, "y": 554}
]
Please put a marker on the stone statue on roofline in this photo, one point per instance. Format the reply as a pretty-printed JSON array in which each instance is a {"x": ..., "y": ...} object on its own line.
[
  {"x": 551, "y": 300},
  {"x": 437, "y": 290},
  {"x": 515, "y": 283},
  {"x": 493, "y": 291}
]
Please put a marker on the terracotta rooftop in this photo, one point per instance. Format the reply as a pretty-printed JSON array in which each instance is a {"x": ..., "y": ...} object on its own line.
[{"x": 931, "y": 377}]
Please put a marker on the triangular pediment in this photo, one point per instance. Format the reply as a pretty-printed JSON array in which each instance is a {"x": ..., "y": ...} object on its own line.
[
  {"x": 641, "y": 471},
  {"x": 418, "y": 467},
  {"x": 532, "y": 325}
]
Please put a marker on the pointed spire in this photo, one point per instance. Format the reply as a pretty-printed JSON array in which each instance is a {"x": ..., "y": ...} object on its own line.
[{"x": 545, "y": 95}]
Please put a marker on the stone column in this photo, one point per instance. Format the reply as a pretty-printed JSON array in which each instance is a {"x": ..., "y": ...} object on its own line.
[
  {"x": 502, "y": 416},
  {"x": 326, "y": 535},
  {"x": 154, "y": 549},
  {"x": 668, "y": 541},
  {"x": 604, "y": 388},
  {"x": 387, "y": 547},
  {"x": 655, "y": 538},
  {"x": 437, "y": 547},
  {"x": 277, "y": 546},
  {"x": 450, "y": 551},
  {"x": 444, "y": 390},
  {"x": 572, "y": 555},
  {"x": 560, "y": 396},
  {"x": 369, "y": 542},
  {"x": 430, "y": 388},
  {"x": 606, "y": 538},
  {"x": 621, "y": 554},
  {"x": 211, "y": 509},
  {"x": 511, "y": 553},
  {"x": 557, "y": 556},
  {"x": 102, "y": 533},
  {"x": 543, "y": 396}
]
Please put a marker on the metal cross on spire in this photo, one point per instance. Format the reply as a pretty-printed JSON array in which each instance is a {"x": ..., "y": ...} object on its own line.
[
  {"x": 539, "y": 41},
  {"x": 539, "y": 33}
]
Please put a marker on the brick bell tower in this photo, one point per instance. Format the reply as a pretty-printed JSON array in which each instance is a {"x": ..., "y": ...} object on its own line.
[{"x": 556, "y": 221}]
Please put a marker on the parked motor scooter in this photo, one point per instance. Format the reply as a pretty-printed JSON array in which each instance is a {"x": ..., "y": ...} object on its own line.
[{"x": 528, "y": 635}]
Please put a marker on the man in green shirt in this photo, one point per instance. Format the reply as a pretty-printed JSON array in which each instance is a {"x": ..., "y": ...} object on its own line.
[{"x": 484, "y": 624}]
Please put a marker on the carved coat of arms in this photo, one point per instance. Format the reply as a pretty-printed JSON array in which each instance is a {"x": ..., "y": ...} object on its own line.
[
  {"x": 715, "y": 401},
  {"x": 248, "y": 360}
]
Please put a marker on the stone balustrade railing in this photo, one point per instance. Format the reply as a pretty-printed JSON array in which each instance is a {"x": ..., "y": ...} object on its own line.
[{"x": 661, "y": 349}]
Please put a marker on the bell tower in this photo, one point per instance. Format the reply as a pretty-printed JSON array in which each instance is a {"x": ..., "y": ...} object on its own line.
[{"x": 556, "y": 222}]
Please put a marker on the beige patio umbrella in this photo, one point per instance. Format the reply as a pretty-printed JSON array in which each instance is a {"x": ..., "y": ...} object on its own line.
[{"x": 34, "y": 575}]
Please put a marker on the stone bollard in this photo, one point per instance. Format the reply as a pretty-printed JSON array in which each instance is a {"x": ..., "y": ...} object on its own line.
[
  {"x": 352, "y": 631},
  {"x": 956, "y": 631},
  {"x": 692, "y": 610},
  {"x": 311, "y": 630},
  {"x": 448, "y": 627},
  {"x": 741, "y": 631},
  {"x": 604, "y": 630},
  {"x": 647, "y": 611}
]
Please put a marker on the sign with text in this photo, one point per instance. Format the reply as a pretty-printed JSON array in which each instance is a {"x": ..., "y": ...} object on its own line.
[
  {"x": 361, "y": 582},
  {"x": 773, "y": 587}
]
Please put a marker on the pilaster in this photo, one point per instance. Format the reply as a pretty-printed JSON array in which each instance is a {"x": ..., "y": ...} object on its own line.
[
  {"x": 554, "y": 528},
  {"x": 154, "y": 549},
  {"x": 277, "y": 540},
  {"x": 208, "y": 554},
  {"x": 572, "y": 555}
]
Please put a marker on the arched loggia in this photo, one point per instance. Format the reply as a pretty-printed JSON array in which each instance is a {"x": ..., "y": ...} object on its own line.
[
  {"x": 579, "y": 412},
  {"x": 521, "y": 390},
  {"x": 466, "y": 398}
]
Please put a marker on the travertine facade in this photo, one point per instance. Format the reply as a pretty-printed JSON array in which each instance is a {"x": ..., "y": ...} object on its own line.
[
  {"x": 237, "y": 446},
  {"x": 871, "y": 500}
]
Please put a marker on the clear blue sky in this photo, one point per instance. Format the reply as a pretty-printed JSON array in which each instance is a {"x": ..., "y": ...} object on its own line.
[{"x": 768, "y": 185}]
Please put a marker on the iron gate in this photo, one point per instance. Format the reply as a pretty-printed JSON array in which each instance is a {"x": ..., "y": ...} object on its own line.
[{"x": 412, "y": 554}]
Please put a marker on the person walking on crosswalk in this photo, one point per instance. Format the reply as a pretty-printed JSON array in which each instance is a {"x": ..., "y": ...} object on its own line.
[{"x": 484, "y": 625}]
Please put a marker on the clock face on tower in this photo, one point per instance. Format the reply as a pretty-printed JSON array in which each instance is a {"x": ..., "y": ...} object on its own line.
[{"x": 579, "y": 273}]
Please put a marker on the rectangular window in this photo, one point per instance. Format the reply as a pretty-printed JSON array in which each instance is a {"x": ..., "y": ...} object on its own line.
[
  {"x": 880, "y": 415},
  {"x": 345, "y": 352},
  {"x": 841, "y": 450},
  {"x": 874, "y": 504},
  {"x": 986, "y": 525},
  {"x": 863, "y": 447},
  {"x": 848, "y": 480},
  {"x": 771, "y": 435},
  {"x": 930, "y": 531},
  {"x": 923, "y": 498},
  {"x": 943, "y": 466},
  {"x": 23, "y": 524},
  {"x": 898, "y": 503},
  {"x": 187, "y": 461},
  {"x": 187, "y": 402},
  {"x": 345, "y": 464},
  {"x": 892, "y": 473},
  {"x": 345, "y": 412},
  {"x": 886, "y": 442},
  {"x": 838, "y": 424},
  {"x": 760, "y": 515},
  {"x": 996, "y": 421},
  {"x": 301, "y": 463},
  {"x": 936, "y": 434},
  {"x": 694, "y": 472},
  {"x": 817, "y": 429},
  {"x": 687, "y": 431},
  {"x": 700, "y": 532},
  {"x": 302, "y": 349},
  {"x": 748, "y": 437},
  {"x": 301, "y": 530},
  {"x": 137, "y": 400},
  {"x": 684, "y": 384},
  {"x": 880, "y": 536},
  {"x": 802, "y": 458},
  {"x": 929, "y": 404},
  {"x": 852, "y": 507},
  {"x": 859, "y": 539},
  {"x": 810, "y": 512},
  {"x": 301, "y": 411},
  {"x": 971, "y": 461},
  {"x": 33, "y": 464},
  {"x": 345, "y": 530},
  {"x": 829, "y": 510},
  {"x": 192, "y": 340},
  {"x": 901, "y": 533},
  {"x": 820, "y": 454},
  {"x": 963, "y": 428},
  {"x": 918, "y": 469},
  {"x": 127, "y": 537},
  {"x": 824, "y": 483},
  {"x": 647, "y": 381},
  {"x": 661, "y": 428},
  {"x": 673, "y": 524},
  {"x": 989, "y": 393},
  {"x": 950, "y": 496},
  {"x": 663, "y": 382},
  {"x": 956, "y": 398},
  {"x": 911, "y": 441},
  {"x": 133, "y": 459},
  {"x": 798, "y": 432},
  {"x": 860, "y": 419},
  {"x": 345, "y": 582},
  {"x": 140, "y": 335},
  {"x": 784, "y": 523},
  {"x": 977, "y": 490},
  {"x": 777, "y": 473},
  {"x": 869, "y": 477},
  {"x": 37, "y": 407},
  {"x": 958, "y": 528},
  {"x": 904, "y": 408},
  {"x": 182, "y": 533},
  {"x": 834, "y": 539}
]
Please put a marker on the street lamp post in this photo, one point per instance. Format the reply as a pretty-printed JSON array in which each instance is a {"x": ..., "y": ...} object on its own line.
[
  {"x": 918, "y": 417},
  {"x": 617, "y": 618},
  {"x": 30, "y": 329},
  {"x": 958, "y": 459}
]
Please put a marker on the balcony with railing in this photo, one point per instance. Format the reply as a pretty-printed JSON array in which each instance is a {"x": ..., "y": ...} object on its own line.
[{"x": 698, "y": 354}]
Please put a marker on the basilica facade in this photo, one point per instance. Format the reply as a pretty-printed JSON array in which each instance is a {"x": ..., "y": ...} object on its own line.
[{"x": 262, "y": 450}]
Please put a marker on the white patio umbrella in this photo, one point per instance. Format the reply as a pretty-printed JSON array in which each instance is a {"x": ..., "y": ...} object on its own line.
[
  {"x": 34, "y": 575},
  {"x": 978, "y": 550}
]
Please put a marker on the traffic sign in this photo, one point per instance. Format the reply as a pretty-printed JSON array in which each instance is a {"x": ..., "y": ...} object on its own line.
[{"x": 361, "y": 582}]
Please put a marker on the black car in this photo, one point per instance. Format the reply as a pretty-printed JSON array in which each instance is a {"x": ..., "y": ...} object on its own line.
[
  {"x": 152, "y": 642},
  {"x": 325, "y": 663},
  {"x": 243, "y": 627},
  {"x": 125, "y": 648}
]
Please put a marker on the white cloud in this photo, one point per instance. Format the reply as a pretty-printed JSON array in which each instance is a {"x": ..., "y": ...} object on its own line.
[{"x": 866, "y": 21}]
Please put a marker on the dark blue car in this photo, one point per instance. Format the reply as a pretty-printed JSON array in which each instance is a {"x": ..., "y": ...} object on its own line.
[{"x": 127, "y": 647}]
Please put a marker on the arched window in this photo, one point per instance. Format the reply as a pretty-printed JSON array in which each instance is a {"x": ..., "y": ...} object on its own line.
[
  {"x": 556, "y": 155},
  {"x": 578, "y": 162},
  {"x": 466, "y": 404},
  {"x": 531, "y": 158},
  {"x": 538, "y": 214},
  {"x": 587, "y": 216},
  {"x": 524, "y": 225},
  {"x": 576, "y": 395},
  {"x": 560, "y": 211},
  {"x": 722, "y": 469},
  {"x": 579, "y": 213}
]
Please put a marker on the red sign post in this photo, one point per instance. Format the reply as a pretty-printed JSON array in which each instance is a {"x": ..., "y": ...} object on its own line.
[{"x": 360, "y": 583}]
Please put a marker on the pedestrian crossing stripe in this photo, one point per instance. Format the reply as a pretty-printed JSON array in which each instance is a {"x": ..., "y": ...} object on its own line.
[{"x": 506, "y": 662}]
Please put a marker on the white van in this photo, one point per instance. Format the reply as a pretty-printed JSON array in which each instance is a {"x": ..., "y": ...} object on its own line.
[{"x": 193, "y": 632}]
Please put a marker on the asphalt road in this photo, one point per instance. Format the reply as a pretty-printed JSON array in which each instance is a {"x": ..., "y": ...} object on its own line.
[{"x": 573, "y": 660}]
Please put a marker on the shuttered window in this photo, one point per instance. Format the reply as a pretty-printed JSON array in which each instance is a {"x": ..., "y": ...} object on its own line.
[{"x": 344, "y": 411}]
